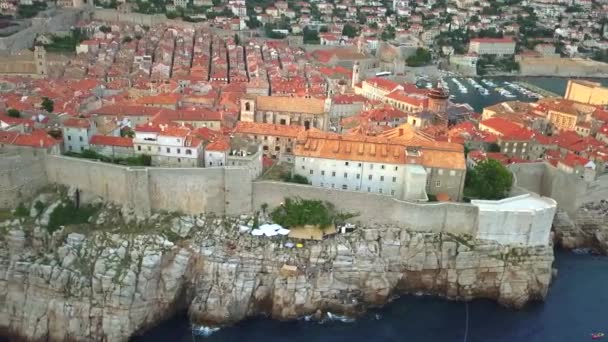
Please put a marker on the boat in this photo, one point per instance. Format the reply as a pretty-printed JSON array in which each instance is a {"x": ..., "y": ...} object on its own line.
[{"x": 597, "y": 336}]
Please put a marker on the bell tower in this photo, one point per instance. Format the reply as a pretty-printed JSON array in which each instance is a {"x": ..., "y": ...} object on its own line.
[
  {"x": 356, "y": 77},
  {"x": 247, "y": 110},
  {"x": 40, "y": 60}
]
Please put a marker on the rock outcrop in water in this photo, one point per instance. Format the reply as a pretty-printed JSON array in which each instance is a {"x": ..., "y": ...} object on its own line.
[
  {"x": 114, "y": 277},
  {"x": 588, "y": 228}
]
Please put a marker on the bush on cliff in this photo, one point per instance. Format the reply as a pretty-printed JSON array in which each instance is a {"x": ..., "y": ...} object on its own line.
[
  {"x": 67, "y": 214},
  {"x": 299, "y": 212},
  {"x": 489, "y": 180}
]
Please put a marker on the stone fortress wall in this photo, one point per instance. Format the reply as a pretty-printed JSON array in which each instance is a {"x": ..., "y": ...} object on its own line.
[
  {"x": 21, "y": 177},
  {"x": 231, "y": 191}
]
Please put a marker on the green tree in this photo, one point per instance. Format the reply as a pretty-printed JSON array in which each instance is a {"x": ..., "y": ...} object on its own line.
[
  {"x": 388, "y": 33},
  {"x": 310, "y": 36},
  {"x": 105, "y": 29},
  {"x": 48, "y": 104},
  {"x": 490, "y": 180},
  {"x": 350, "y": 31},
  {"x": 420, "y": 58},
  {"x": 13, "y": 113}
]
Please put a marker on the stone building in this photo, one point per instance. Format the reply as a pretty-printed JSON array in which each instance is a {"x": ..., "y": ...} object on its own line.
[
  {"x": 167, "y": 145},
  {"x": 76, "y": 134},
  {"x": 394, "y": 164},
  {"x": 586, "y": 92},
  {"x": 111, "y": 146},
  {"x": 282, "y": 110},
  {"x": 277, "y": 141}
]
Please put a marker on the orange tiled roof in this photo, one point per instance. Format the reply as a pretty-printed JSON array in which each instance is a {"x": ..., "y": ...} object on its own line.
[
  {"x": 290, "y": 104},
  {"x": 77, "y": 123},
  {"x": 107, "y": 140},
  {"x": 222, "y": 144}
]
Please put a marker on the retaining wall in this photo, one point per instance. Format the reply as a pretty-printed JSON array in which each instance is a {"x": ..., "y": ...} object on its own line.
[{"x": 21, "y": 177}]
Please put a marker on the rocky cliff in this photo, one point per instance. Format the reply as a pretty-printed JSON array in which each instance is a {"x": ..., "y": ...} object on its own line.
[
  {"x": 114, "y": 276},
  {"x": 587, "y": 228}
]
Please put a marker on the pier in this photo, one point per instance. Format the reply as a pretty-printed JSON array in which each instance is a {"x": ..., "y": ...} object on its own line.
[{"x": 538, "y": 90}]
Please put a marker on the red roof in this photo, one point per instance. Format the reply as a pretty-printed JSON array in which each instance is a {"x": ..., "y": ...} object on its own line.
[
  {"x": 572, "y": 160},
  {"x": 37, "y": 138},
  {"x": 111, "y": 141},
  {"x": 401, "y": 96},
  {"x": 222, "y": 144},
  {"x": 382, "y": 83},
  {"x": 501, "y": 126},
  {"x": 77, "y": 123}
]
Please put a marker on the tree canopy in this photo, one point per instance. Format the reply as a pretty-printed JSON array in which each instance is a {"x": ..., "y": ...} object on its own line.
[
  {"x": 13, "y": 113},
  {"x": 420, "y": 58},
  {"x": 489, "y": 180},
  {"x": 47, "y": 104},
  {"x": 350, "y": 31}
]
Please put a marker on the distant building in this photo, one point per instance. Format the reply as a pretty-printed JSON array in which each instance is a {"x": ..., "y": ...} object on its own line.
[
  {"x": 113, "y": 147},
  {"x": 492, "y": 46},
  {"x": 283, "y": 110},
  {"x": 586, "y": 92},
  {"x": 76, "y": 134},
  {"x": 277, "y": 141},
  {"x": 168, "y": 145}
]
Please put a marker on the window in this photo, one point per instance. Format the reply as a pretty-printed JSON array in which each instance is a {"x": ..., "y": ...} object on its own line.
[
  {"x": 513, "y": 150},
  {"x": 321, "y": 184},
  {"x": 396, "y": 168},
  {"x": 506, "y": 150},
  {"x": 332, "y": 185},
  {"x": 392, "y": 192},
  {"x": 188, "y": 151},
  {"x": 322, "y": 173},
  {"x": 303, "y": 167},
  {"x": 333, "y": 173},
  {"x": 344, "y": 187},
  {"x": 168, "y": 150},
  {"x": 440, "y": 172},
  {"x": 437, "y": 183},
  {"x": 345, "y": 175},
  {"x": 346, "y": 163},
  {"x": 265, "y": 138},
  {"x": 359, "y": 165},
  {"x": 179, "y": 160},
  {"x": 358, "y": 176},
  {"x": 265, "y": 148},
  {"x": 523, "y": 150},
  {"x": 80, "y": 138},
  {"x": 382, "y": 167},
  {"x": 371, "y": 166},
  {"x": 69, "y": 137},
  {"x": 369, "y": 177},
  {"x": 380, "y": 190},
  {"x": 81, "y": 148},
  {"x": 149, "y": 148},
  {"x": 394, "y": 179},
  {"x": 139, "y": 148},
  {"x": 288, "y": 150},
  {"x": 277, "y": 138},
  {"x": 179, "y": 151},
  {"x": 382, "y": 178},
  {"x": 159, "y": 149},
  {"x": 311, "y": 172}
]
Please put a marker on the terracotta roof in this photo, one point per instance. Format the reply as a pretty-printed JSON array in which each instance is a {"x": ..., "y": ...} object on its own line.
[
  {"x": 160, "y": 99},
  {"x": 107, "y": 140},
  {"x": 377, "y": 149},
  {"x": 188, "y": 115},
  {"x": 222, "y": 144},
  {"x": 572, "y": 160},
  {"x": 401, "y": 96},
  {"x": 347, "y": 99},
  {"x": 290, "y": 104},
  {"x": 268, "y": 129},
  {"x": 126, "y": 110},
  {"x": 77, "y": 123},
  {"x": 37, "y": 138},
  {"x": 382, "y": 83},
  {"x": 500, "y": 125}
]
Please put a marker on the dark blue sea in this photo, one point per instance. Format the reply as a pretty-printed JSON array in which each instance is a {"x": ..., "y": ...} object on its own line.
[{"x": 576, "y": 307}]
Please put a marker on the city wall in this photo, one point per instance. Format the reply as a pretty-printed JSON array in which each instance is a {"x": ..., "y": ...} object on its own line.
[
  {"x": 21, "y": 177},
  {"x": 231, "y": 191},
  {"x": 546, "y": 180},
  {"x": 455, "y": 218}
]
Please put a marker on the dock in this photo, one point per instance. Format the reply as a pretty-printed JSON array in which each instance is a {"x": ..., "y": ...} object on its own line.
[{"x": 538, "y": 90}]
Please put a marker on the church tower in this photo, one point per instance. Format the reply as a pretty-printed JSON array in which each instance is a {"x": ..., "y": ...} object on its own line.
[
  {"x": 356, "y": 77},
  {"x": 40, "y": 60},
  {"x": 247, "y": 110}
]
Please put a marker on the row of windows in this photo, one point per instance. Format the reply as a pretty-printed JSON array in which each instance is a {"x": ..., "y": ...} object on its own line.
[
  {"x": 70, "y": 138},
  {"x": 179, "y": 150},
  {"x": 266, "y": 138},
  {"x": 369, "y": 189},
  {"x": 277, "y": 149},
  {"x": 357, "y": 176},
  {"x": 371, "y": 166}
]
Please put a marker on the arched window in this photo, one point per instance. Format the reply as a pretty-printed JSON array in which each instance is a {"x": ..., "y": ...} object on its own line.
[{"x": 247, "y": 106}]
